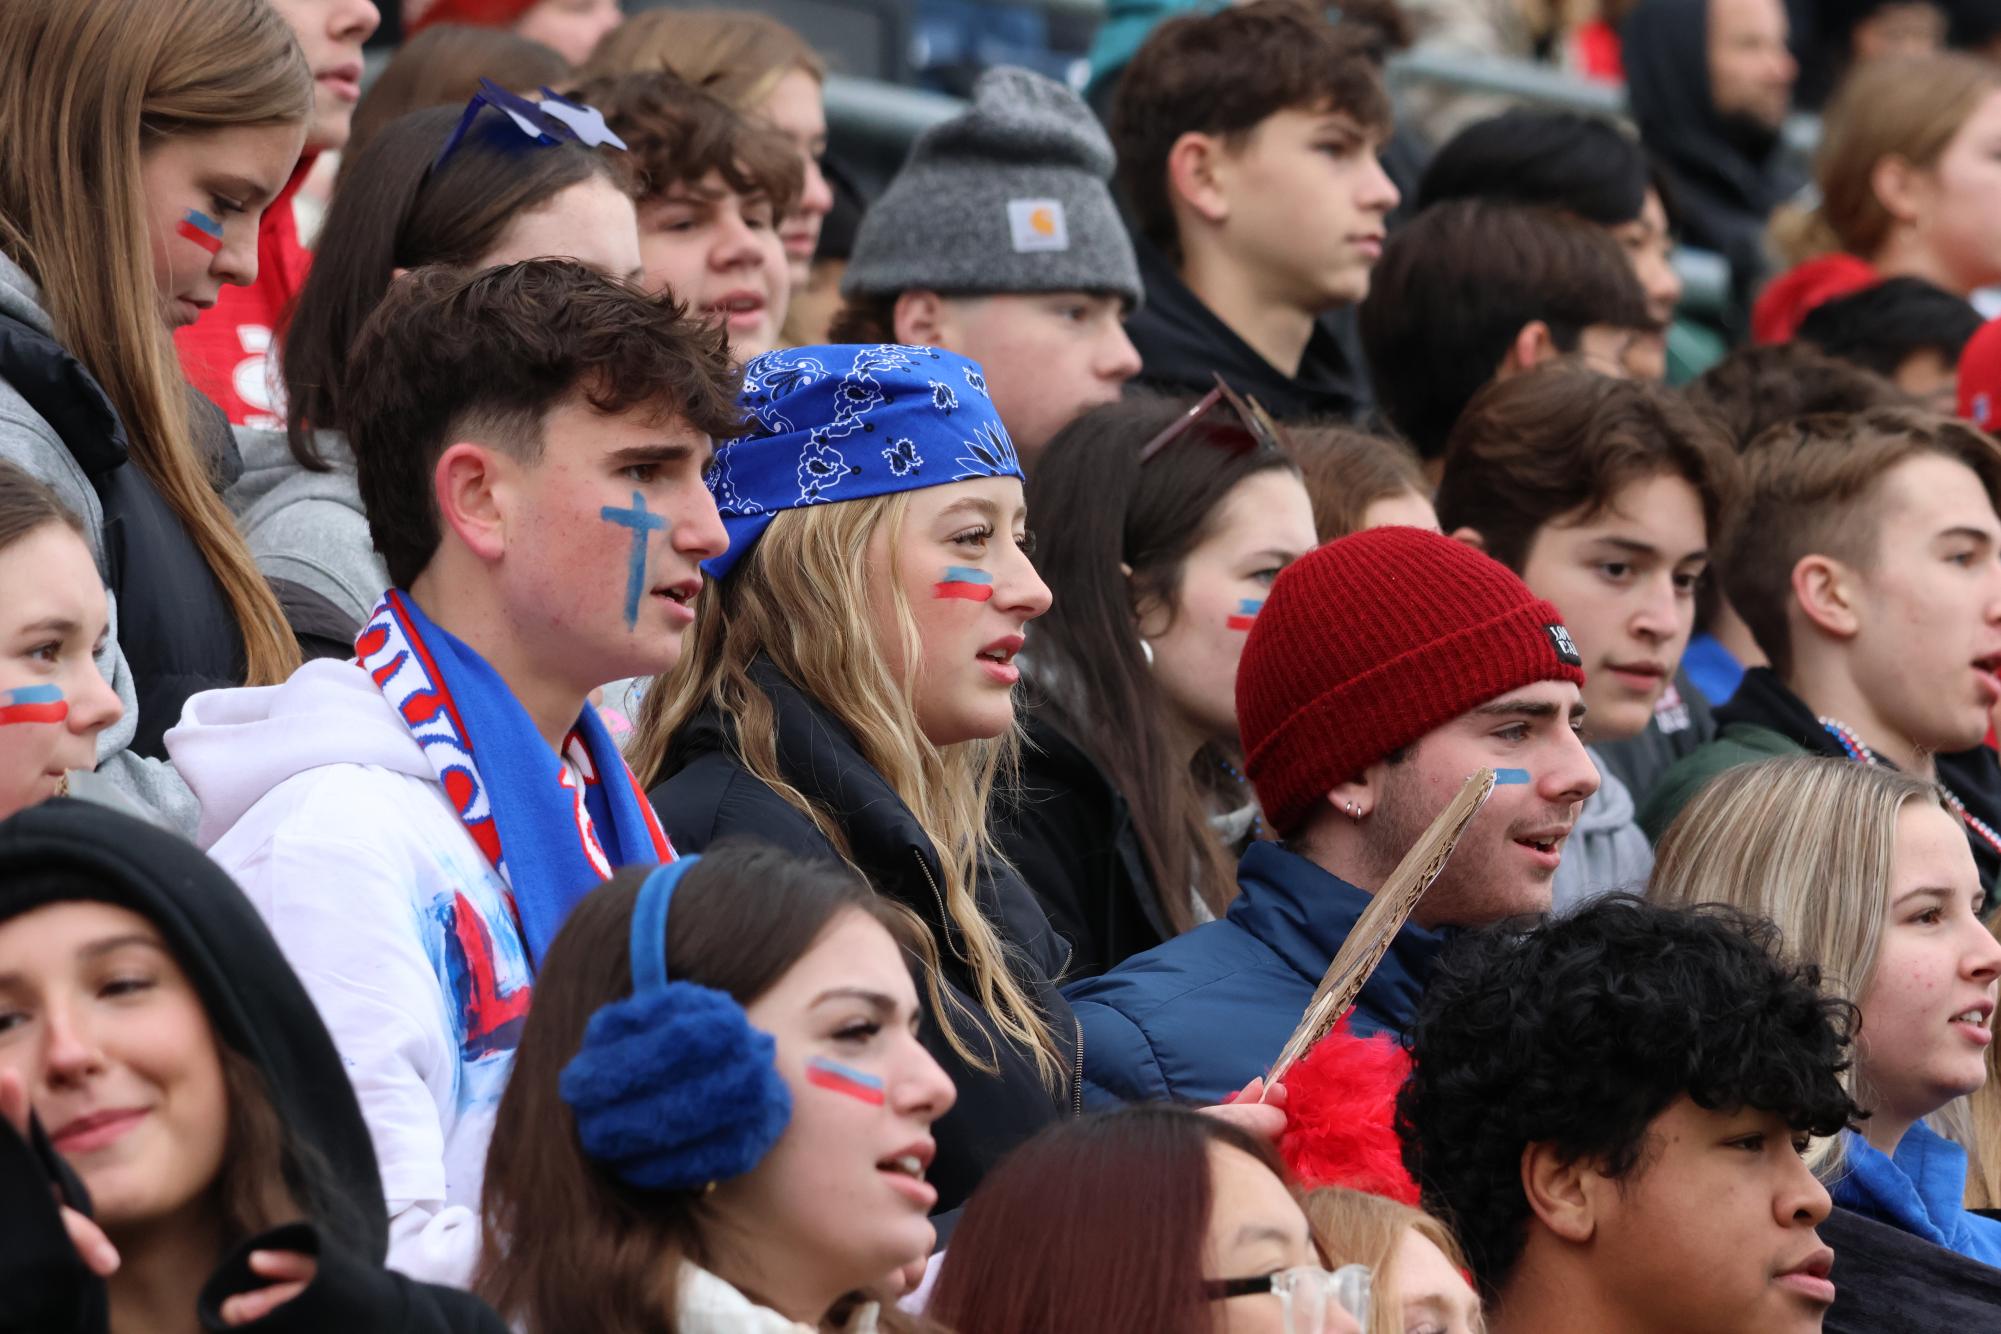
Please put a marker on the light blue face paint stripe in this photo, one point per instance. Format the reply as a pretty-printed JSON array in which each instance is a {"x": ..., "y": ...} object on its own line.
[
  {"x": 35, "y": 695},
  {"x": 643, "y": 526},
  {"x": 205, "y": 222},
  {"x": 1250, "y": 606},
  {"x": 965, "y": 574},
  {"x": 1503, "y": 777}
]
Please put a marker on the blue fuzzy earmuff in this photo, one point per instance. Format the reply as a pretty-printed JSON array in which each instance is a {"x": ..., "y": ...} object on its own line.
[{"x": 673, "y": 1089}]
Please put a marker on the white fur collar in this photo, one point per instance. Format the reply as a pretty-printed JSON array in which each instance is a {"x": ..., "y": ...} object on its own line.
[{"x": 709, "y": 1305}]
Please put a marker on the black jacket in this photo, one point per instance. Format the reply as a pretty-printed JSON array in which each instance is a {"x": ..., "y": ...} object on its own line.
[
  {"x": 175, "y": 626},
  {"x": 1070, "y": 834},
  {"x": 258, "y": 1008},
  {"x": 1183, "y": 345},
  {"x": 1723, "y": 175},
  {"x": 1887, "y": 1281},
  {"x": 1974, "y": 776},
  {"x": 706, "y": 794}
]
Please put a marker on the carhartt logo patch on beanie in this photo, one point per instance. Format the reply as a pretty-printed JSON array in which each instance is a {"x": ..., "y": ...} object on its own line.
[
  {"x": 1011, "y": 195},
  {"x": 1370, "y": 642}
]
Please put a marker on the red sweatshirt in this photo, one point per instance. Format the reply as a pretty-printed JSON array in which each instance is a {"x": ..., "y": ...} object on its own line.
[{"x": 230, "y": 352}]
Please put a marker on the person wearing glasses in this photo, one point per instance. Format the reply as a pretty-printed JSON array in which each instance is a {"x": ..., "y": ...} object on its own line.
[
  {"x": 1139, "y": 1221},
  {"x": 1614, "y": 1110},
  {"x": 1160, "y": 528},
  {"x": 1384, "y": 670}
]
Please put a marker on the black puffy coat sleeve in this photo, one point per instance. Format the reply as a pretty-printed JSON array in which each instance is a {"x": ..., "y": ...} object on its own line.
[{"x": 346, "y": 1295}]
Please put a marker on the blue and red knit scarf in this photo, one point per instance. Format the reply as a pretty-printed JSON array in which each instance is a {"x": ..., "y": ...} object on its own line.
[{"x": 551, "y": 837}]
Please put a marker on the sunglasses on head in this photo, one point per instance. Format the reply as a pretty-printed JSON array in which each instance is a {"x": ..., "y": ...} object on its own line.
[
  {"x": 553, "y": 120},
  {"x": 1262, "y": 431}
]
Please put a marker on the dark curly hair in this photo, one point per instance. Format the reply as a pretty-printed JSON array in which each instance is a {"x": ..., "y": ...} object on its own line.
[
  {"x": 448, "y": 353},
  {"x": 1583, "y": 1031}
]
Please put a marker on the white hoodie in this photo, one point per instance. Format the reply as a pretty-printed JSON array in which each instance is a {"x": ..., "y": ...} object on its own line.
[{"x": 317, "y": 799}]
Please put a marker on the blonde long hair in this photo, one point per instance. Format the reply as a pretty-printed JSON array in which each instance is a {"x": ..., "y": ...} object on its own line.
[
  {"x": 1357, "y": 1228},
  {"x": 1810, "y": 844},
  {"x": 801, "y": 598},
  {"x": 1907, "y": 107},
  {"x": 90, "y": 87},
  {"x": 736, "y": 56}
]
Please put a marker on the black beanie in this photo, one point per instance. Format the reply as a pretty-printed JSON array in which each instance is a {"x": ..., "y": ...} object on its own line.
[{"x": 66, "y": 850}]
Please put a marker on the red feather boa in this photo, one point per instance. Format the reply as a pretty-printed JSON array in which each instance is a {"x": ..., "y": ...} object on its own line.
[{"x": 1341, "y": 1115}]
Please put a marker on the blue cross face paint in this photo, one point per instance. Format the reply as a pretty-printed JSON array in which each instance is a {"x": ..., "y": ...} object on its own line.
[{"x": 643, "y": 526}]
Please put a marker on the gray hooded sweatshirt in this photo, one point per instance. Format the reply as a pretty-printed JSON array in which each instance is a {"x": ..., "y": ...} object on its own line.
[
  {"x": 1606, "y": 850},
  {"x": 308, "y": 527},
  {"x": 29, "y": 442}
]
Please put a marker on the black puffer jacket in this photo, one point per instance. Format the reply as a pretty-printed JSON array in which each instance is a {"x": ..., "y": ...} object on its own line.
[
  {"x": 259, "y": 1010},
  {"x": 1070, "y": 834},
  {"x": 174, "y": 623},
  {"x": 707, "y": 793}
]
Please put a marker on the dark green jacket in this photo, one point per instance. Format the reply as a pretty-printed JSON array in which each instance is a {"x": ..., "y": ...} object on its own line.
[{"x": 1735, "y": 744}]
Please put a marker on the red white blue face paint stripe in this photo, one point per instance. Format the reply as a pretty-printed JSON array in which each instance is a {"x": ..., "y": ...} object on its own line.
[
  {"x": 33, "y": 704},
  {"x": 203, "y": 230},
  {"x": 1247, "y": 611},
  {"x": 963, "y": 581},
  {"x": 838, "y": 1078}
]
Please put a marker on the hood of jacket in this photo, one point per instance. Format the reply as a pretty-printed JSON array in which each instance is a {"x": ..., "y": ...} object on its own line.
[
  {"x": 20, "y": 298},
  {"x": 272, "y": 479},
  {"x": 1788, "y": 298},
  {"x": 1610, "y": 807},
  {"x": 1183, "y": 345},
  {"x": 257, "y": 1005},
  {"x": 234, "y": 746},
  {"x": 1666, "y": 46}
]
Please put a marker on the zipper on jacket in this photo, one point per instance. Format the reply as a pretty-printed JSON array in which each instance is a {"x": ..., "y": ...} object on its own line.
[
  {"x": 1077, "y": 1075},
  {"x": 944, "y": 918}
]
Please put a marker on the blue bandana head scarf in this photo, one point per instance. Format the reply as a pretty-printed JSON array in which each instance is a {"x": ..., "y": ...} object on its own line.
[{"x": 828, "y": 424}]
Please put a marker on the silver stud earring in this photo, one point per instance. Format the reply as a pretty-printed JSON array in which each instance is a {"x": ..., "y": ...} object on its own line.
[
  {"x": 1146, "y": 650},
  {"x": 1354, "y": 812}
]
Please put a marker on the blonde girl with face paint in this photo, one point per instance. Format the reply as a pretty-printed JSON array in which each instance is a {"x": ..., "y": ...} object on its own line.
[{"x": 144, "y": 140}]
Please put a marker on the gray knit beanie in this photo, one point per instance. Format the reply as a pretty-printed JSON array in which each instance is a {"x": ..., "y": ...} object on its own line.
[{"x": 1009, "y": 196}]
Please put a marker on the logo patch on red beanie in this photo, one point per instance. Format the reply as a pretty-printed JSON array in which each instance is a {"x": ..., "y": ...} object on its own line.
[{"x": 1566, "y": 647}]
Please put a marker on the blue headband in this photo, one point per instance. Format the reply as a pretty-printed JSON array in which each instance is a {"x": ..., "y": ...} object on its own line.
[{"x": 844, "y": 423}]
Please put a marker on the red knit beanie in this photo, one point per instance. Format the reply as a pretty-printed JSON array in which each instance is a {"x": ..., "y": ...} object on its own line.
[
  {"x": 478, "y": 13},
  {"x": 1370, "y": 642}
]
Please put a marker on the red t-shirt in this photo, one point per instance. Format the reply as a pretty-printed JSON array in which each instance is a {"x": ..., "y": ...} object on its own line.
[{"x": 230, "y": 353}]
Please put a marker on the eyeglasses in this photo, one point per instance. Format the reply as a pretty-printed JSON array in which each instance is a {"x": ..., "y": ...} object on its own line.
[
  {"x": 1308, "y": 1295},
  {"x": 1264, "y": 432},
  {"x": 551, "y": 121}
]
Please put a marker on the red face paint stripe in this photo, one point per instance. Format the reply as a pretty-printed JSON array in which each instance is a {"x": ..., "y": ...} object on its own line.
[
  {"x": 34, "y": 713},
  {"x": 970, "y": 592}
]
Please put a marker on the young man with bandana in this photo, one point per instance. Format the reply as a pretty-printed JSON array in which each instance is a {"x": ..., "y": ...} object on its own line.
[{"x": 415, "y": 825}]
